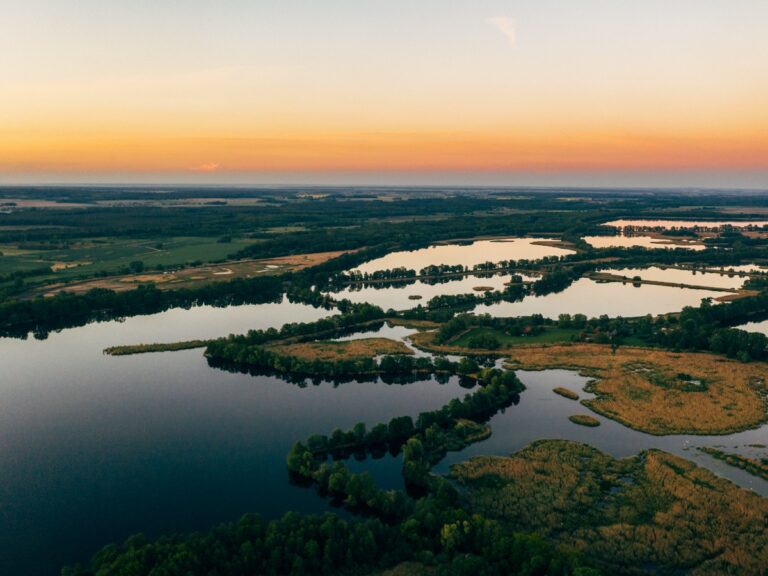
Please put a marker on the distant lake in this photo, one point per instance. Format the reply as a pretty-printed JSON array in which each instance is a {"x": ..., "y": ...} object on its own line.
[
  {"x": 685, "y": 223},
  {"x": 593, "y": 299},
  {"x": 761, "y": 327},
  {"x": 476, "y": 252},
  {"x": 401, "y": 295},
  {"x": 675, "y": 276},
  {"x": 624, "y": 241}
]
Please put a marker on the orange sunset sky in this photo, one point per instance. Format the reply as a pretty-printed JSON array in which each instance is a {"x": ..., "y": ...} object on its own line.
[{"x": 651, "y": 92}]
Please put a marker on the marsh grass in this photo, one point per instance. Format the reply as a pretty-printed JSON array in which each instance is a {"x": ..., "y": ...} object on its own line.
[
  {"x": 654, "y": 509},
  {"x": 346, "y": 350},
  {"x": 661, "y": 392},
  {"x": 584, "y": 420},
  {"x": 566, "y": 393}
]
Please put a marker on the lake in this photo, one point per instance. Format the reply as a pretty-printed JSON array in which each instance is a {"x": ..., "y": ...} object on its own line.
[
  {"x": 469, "y": 254},
  {"x": 684, "y": 223},
  {"x": 593, "y": 299},
  {"x": 678, "y": 276},
  {"x": 94, "y": 448},
  {"x": 401, "y": 295},
  {"x": 624, "y": 241}
]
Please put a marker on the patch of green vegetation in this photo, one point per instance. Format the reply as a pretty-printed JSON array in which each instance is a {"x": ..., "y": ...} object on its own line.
[
  {"x": 94, "y": 257},
  {"x": 548, "y": 335},
  {"x": 145, "y": 348}
]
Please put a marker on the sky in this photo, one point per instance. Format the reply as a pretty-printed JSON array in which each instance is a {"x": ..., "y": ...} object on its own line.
[{"x": 545, "y": 92}]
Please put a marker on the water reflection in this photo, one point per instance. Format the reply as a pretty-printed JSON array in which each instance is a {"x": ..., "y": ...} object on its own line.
[
  {"x": 466, "y": 254},
  {"x": 94, "y": 448},
  {"x": 685, "y": 223},
  {"x": 403, "y": 296},
  {"x": 626, "y": 241},
  {"x": 675, "y": 276},
  {"x": 593, "y": 299}
]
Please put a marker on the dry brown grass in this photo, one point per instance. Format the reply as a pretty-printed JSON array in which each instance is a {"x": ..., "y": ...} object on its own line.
[
  {"x": 638, "y": 386},
  {"x": 654, "y": 510},
  {"x": 584, "y": 420},
  {"x": 737, "y": 295},
  {"x": 566, "y": 393},
  {"x": 348, "y": 350}
]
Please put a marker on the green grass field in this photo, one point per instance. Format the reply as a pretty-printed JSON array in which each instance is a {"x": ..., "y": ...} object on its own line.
[
  {"x": 111, "y": 255},
  {"x": 550, "y": 335}
]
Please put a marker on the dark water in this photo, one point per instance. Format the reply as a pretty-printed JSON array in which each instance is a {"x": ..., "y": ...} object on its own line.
[{"x": 94, "y": 448}]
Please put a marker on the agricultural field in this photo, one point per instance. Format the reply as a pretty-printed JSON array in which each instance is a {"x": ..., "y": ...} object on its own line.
[
  {"x": 661, "y": 392},
  {"x": 75, "y": 260},
  {"x": 193, "y": 277},
  {"x": 652, "y": 512}
]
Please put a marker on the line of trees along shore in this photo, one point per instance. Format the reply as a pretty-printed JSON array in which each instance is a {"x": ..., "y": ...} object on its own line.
[
  {"x": 707, "y": 328},
  {"x": 41, "y": 315}
]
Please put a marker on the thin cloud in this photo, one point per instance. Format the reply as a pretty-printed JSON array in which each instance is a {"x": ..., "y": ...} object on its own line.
[
  {"x": 506, "y": 26},
  {"x": 207, "y": 167}
]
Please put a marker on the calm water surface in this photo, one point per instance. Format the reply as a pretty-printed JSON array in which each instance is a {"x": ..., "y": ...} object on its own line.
[
  {"x": 593, "y": 299},
  {"x": 466, "y": 254},
  {"x": 685, "y": 223},
  {"x": 401, "y": 296},
  {"x": 623, "y": 241},
  {"x": 94, "y": 448},
  {"x": 761, "y": 327},
  {"x": 689, "y": 277}
]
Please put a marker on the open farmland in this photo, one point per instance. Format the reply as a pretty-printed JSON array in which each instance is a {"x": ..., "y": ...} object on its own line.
[{"x": 199, "y": 275}]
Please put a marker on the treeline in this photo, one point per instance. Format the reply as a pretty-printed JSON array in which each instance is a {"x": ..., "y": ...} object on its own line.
[
  {"x": 351, "y": 315},
  {"x": 448, "y": 540},
  {"x": 429, "y": 438},
  {"x": 263, "y": 360},
  {"x": 559, "y": 278},
  {"x": 705, "y": 328},
  {"x": 402, "y": 273},
  {"x": 64, "y": 310},
  {"x": 43, "y": 315}
]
